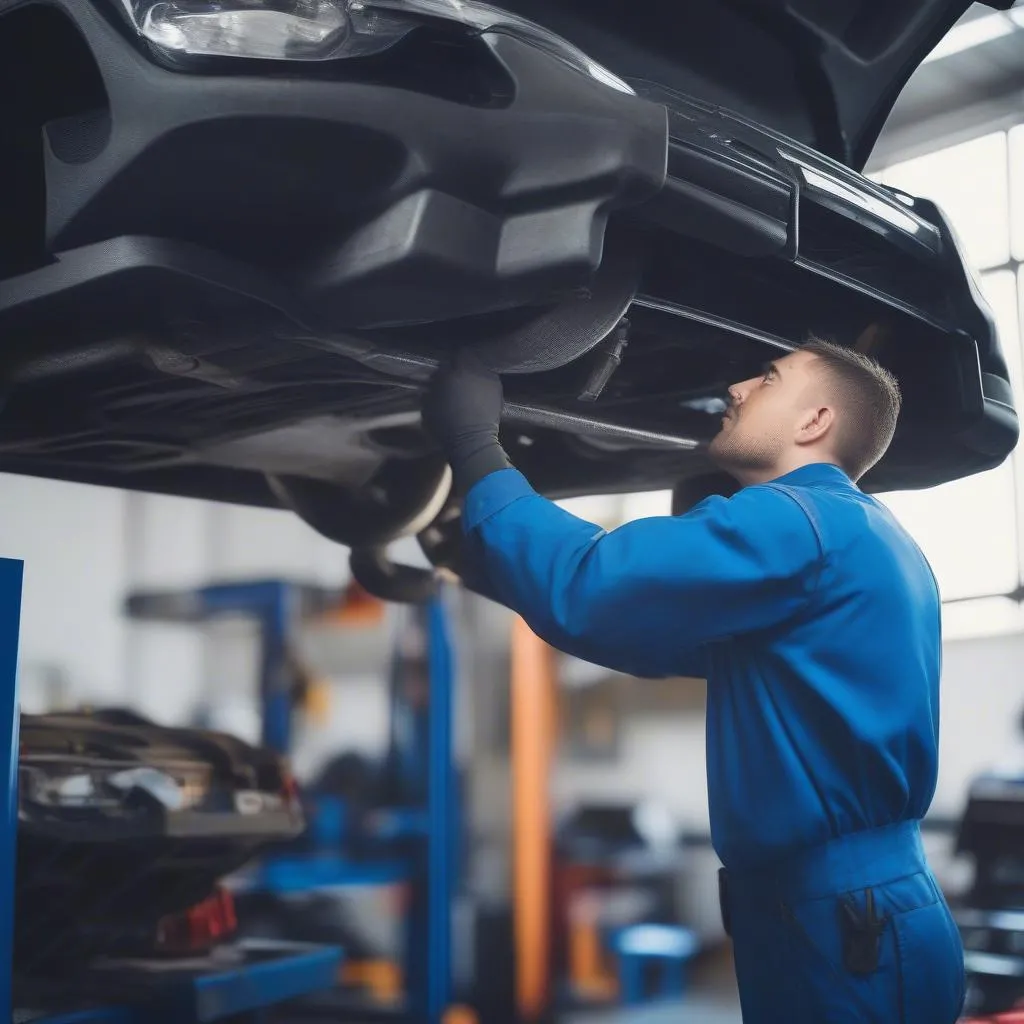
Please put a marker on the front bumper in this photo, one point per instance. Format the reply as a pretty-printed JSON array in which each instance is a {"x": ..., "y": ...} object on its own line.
[{"x": 381, "y": 202}]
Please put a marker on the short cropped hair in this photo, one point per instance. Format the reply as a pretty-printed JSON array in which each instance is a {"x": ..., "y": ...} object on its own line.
[{"x": 869, "y": 399}]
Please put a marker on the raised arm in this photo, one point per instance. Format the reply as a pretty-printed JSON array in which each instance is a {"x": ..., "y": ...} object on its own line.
[{"x": 648, "y": 597}]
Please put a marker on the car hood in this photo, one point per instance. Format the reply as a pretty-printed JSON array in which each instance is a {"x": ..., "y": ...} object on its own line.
[{"x": 824, "y": 73}]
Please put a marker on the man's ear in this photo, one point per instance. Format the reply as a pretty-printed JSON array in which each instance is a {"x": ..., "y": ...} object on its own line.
[{"x": 815, "y": 424}]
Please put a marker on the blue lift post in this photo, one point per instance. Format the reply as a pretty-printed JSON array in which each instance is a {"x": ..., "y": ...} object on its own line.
[
  {"x": 277, "y": 607},
  {"x": 11, "y": 573},
  {"x": 430, "y": 925}
]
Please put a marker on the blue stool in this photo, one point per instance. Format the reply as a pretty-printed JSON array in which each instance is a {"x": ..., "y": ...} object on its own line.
[{"x": 670, "y": 947}]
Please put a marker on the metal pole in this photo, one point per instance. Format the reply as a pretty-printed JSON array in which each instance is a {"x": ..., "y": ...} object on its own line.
[
  {"x": 11, "y": 573},
  {"x": 533, "y": 739}
]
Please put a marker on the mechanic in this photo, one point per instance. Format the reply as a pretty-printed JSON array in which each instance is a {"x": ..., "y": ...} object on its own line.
[{"x": 816, "y": 621}]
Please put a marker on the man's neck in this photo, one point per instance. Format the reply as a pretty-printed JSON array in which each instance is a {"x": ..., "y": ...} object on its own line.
[{"x": 748, "y": 478}]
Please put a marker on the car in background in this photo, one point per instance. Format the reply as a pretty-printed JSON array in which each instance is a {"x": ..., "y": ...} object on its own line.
[
  {"x": 239, "y": 235},
  {"x": 124, "y": 829}
]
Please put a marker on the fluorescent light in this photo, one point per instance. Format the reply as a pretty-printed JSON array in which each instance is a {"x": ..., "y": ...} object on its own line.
[
  {"x": 969, "y": 34},
  {"x": 1017, "y": 16}
]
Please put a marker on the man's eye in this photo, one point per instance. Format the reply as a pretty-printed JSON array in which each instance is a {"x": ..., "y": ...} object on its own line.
[{"x": 768, "y": 374}]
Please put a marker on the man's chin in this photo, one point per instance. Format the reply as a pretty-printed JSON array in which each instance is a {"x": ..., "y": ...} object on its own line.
[
  {"x": 718, "y": 450},
  {"x": 725, "y": 457}
]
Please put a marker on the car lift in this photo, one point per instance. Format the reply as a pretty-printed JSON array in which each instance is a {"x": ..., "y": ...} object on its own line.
[{"x": 244, "y": 980}]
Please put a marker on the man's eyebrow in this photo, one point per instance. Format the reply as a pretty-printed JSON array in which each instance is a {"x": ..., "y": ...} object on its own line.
[{"x": 769, "y": 367}]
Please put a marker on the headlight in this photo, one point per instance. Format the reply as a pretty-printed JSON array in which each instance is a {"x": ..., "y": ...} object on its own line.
[
  {"x": 57, "y": 784},
  {"x": 281, "y": 29},
  {"x": 319, "y": 30}
]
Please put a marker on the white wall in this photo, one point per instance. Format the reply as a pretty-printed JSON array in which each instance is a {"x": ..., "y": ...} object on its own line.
[
  {"x": 178, "y": 542},
  {"x": 69, "y": 537},
  {"x": 982, "y": 705},
  {"x": 85, "y": 548},
  {"x": 662, "y": 758}
]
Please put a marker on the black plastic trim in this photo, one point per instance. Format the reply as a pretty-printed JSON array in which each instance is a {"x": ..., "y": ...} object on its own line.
[{"x": 207, "y": 158}]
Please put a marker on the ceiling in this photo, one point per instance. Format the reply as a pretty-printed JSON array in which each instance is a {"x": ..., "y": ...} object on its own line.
[{"x": 975, "y": 76}]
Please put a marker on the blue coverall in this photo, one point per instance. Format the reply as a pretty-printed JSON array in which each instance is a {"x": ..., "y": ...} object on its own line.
[{"x": 815, "y": 619}]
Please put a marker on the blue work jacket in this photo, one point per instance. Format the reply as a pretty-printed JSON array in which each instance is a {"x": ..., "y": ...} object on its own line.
[{"x": 813, "y": 615}]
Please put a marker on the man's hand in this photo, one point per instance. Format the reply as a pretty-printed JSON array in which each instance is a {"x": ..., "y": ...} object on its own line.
[{"x": 462, "y": 410}]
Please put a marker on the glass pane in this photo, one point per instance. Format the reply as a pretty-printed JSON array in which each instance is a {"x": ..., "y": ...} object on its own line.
[
  {"x": 967, "y": 529},
  {"x": 1000, "y": 288},
  {"x": 970, "y": 183},
  {"x": 1017, "y": 190}
]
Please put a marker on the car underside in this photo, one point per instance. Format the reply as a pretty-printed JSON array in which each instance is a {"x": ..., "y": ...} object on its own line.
[{"x": 228, "y": 274}]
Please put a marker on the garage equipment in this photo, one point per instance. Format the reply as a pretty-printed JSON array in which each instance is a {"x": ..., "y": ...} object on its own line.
[
  {"x": 426, "y": 832},
  {"x": 991, "y": 919},
  {"x": 669, "y": 948},
  {"x": 234, "y": 981}
]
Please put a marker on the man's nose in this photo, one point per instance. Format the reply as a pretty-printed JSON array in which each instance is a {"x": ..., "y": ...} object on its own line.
[{"x": 740, "y": 392}]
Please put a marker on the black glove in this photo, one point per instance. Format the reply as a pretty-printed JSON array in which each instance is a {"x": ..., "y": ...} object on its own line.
[{"x": 462, "y": 409}]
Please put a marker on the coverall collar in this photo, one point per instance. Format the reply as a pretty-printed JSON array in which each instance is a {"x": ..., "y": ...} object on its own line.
[{"x": 815, "y": 473}]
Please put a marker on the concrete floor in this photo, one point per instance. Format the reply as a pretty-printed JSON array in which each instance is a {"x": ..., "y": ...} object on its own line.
[
  {"x": 695, "y": 1010},
  {"x": 711, "y": 999}
]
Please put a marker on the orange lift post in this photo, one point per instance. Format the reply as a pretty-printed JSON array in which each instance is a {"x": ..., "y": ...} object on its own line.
[{"x": 533, "y": 704}]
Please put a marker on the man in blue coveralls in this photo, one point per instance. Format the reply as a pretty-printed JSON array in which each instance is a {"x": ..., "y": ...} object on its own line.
[{"x": 815, "y": 619}]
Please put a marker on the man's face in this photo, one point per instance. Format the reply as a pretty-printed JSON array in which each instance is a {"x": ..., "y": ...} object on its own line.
[{"x": 767, "y": 416}]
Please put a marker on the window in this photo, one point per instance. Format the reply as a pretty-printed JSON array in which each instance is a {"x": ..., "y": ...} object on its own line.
[
  {"x": 1017, "y": 191},
  {"x": 971, "y": 530},
  {"x": 1000, "y": 289},
  {"x": 988, "y": 616},
  {"x": 970, "y": 184},
  {"x": 967, "y": 530}
]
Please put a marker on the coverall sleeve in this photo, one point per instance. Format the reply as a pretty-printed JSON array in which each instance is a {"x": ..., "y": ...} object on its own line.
[{"x": 648, "y": 597}]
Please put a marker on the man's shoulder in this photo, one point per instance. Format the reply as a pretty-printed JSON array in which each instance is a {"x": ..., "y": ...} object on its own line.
[
  {"x": 771, "y": 512},
  {"x": 844, "y": 514}
]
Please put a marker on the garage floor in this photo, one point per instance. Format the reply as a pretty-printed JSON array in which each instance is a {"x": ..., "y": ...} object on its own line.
[
  {"x": 697, "y": 1010},
  {"x": 711, "y": 999}
]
